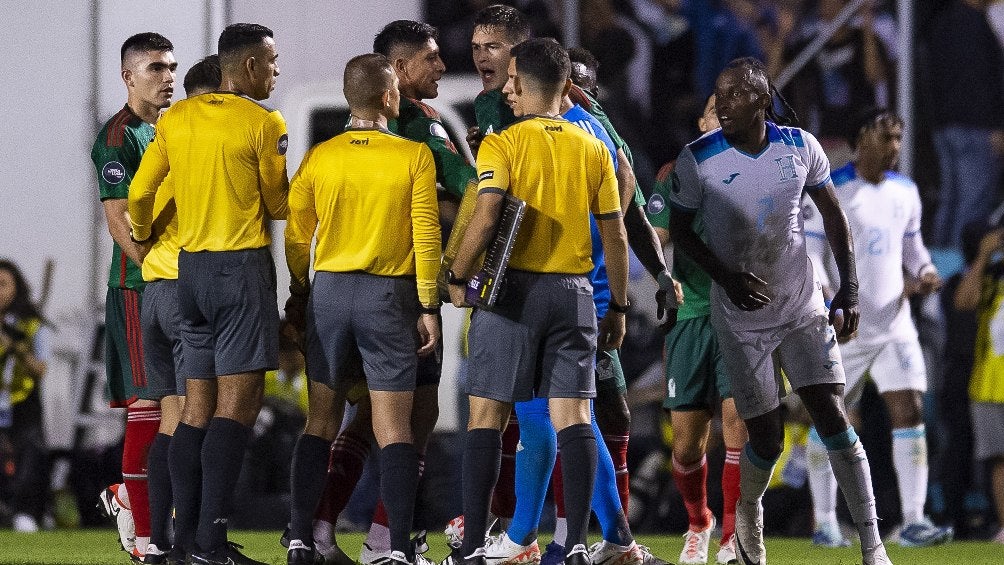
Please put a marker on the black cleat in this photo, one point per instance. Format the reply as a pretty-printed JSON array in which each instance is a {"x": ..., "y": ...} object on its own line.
[
  {"x": 302, "y": 554},
  {"x": 578, "y": 556},
  {"x": 457, "y": 558},
  {"x": 228, "y": 554}
]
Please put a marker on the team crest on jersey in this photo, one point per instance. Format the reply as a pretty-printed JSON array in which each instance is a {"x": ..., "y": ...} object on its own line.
[
  {"x": 283, "y": 144},
  {"x": 113, "y": 172},
  {"x": 436, "y": 129},
  {"x": 490, "y": 129},
  {"x": 786, "y": 165},
  {"x": 656, "y": 204}
]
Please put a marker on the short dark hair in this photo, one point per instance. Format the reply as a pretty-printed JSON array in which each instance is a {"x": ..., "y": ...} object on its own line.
[
  {"x": 583, "y": 70},
  {"x": 869, "y": 118},
  {"x": 403, "y": 33},
  {"x": 238, "y": 37},
  {"x": 756, "y": 65},
  {"x": 365, "y": 80},
  {"x": 146, "y": 41},
  {"x": 511, "y": 21},
  {"x": 584, "y": 56},
  {"x": 204, "y": 75},
  {"x": 543, "y": 60}
]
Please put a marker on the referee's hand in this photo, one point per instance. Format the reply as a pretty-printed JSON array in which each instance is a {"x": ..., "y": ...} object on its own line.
[
  {"x": 428, "y": 330},
  {"x": 611, "y": 331}
]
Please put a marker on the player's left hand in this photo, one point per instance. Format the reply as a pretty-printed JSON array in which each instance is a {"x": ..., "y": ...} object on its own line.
[
  {"x": 844, "y": 311},
  {"x": 929, "y": 282},
  {"x": 428, "y": 330},
  {"x": 667, "y": 304},
  {"x": 611, "y": 331},
  {"x": 458, "y": 295}
]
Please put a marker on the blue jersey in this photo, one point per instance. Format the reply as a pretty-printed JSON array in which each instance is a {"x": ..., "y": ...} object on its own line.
[{"x": 598, "y": 277}]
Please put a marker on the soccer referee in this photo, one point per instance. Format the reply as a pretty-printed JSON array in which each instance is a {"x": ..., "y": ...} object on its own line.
[
  {"x": 226, "y": 153},
  {"x": 372, "y": 297}
]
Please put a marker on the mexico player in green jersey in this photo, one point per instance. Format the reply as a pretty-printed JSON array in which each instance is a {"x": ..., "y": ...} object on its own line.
[
  {"x": 148, "y": 70},
  {"x": 695, "y": 379}
]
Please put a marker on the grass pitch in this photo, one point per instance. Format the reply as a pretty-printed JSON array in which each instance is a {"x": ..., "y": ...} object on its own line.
[{"x": 90, "y": 547}]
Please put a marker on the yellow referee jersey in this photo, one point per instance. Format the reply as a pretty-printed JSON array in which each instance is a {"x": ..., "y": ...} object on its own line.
[
  {"x": 227, "y": 154},
  {"x": 371, "y": 197},
  {"x": 161, "y": 263},
  {"x": 562, "y": 173},
  {"x": 987, "y": 381}
]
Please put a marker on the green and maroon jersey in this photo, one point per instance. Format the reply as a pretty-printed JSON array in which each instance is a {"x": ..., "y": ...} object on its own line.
[
  {"x": 116, "y": 154},
  {"x": 420, "y": 122}
]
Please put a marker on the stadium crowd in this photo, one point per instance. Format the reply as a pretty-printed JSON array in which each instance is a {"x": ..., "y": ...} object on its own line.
[{"x": 769, "y": 223}]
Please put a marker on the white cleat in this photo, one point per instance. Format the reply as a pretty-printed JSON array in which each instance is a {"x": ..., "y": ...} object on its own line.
[
  {"x": 501, "y": 550},
  {"x": 110, "y": 502},
  {"x": 749, "y": 533},
  {"x": 727, "y": 552},
  {"x": 606, "y": 553},
  {"x": 455, "y": 532},
  {"x": 695, "y": 545}
]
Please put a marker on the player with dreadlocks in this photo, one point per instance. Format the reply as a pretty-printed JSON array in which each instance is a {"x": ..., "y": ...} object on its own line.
[{"x": 747, "y": 179}]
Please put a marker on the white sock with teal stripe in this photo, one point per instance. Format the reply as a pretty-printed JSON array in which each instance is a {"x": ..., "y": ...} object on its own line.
[
  {"x": 822, "y": 483},
  {"x": 850, "y": 466},
  {"x": 909, "y": 456}
]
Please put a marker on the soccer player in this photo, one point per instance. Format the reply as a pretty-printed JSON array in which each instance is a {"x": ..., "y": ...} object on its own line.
[
  {"x": 414, "y": 54},
  {"x": 148, "y": 71},
  {"x": 695, "y": 380},
  {"x": 161, "y": 321},
  {"x": 541, "y": 338},
  {"x": 883, "y": 210},
  {"x": 371, "y": 296},
  {"x": 747, "y": 179},
  {"x": 226, "y": 153}
]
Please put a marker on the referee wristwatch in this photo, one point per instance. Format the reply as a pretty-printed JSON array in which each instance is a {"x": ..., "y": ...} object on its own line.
[
  {"x": 620, "y": 309},
  {"x": 452, "y": 278}
]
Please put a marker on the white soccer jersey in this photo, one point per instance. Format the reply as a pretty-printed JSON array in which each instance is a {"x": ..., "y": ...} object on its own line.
[
  {"x": 752, "y": 213},
  {"x": 885, "y": 225}
]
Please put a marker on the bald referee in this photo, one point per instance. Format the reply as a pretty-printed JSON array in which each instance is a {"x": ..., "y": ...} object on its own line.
[
  {"x": 541, "y": 338},
  {"x": 226, "y": 153},
  {"x": 372, "y": 297}
]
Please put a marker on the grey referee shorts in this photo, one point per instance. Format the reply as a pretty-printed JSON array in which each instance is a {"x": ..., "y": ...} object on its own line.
[
  {"x": 230, "y": 317},
  {"x": 539, "y": 340},
  {"x": 353, "y": 316},
  {"x": 162, "y": 349}
]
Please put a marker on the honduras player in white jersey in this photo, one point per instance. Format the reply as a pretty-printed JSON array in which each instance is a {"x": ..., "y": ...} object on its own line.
[
  {"x": 747, "y": 179},
  {"x": 883, "y": 210}
]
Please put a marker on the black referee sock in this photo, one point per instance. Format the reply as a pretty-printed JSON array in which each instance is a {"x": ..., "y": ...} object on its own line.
[
  {"x": 222, "y": 459},
  {"x": 482, "y": 459},
  {"x": 158, "y": 480},
  {"x": 398, "y": 485},
  {"x": 185, "y": 462},
  {"x": 307, "y": 480},
  {"x": 577, "y": 447}
]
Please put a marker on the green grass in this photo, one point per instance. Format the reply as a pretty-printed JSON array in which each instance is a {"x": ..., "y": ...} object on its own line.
[{"x": 89, "y": 547}]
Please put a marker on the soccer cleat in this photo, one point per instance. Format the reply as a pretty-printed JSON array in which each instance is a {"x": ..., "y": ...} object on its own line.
[
  {"x": 606, "y": 553},
  {"x": 829, "y": 535},
  {"x": 875, "y": 556},
  {"x": 476, "y": 558},
  {"x": 749, "y": 533},
  {"x": 578, "y": 556},
  {"x": 924, "y": 533},
  {"x": 554, "y": 554},
  {"x": 228, "y": 554},
  {"x": 112, "y": 507},
  {"x": 727, "y": 552},
  {"x": 24, "y": 523},
  {"x": 695, "y": 545},
  {"x": 501, "y": 550},
  {"x": 648, "y": 559},
  {"x": 300, "y": 553},
  {"x": 455, "y": 532},
  {"x": 156, "y": 556}
]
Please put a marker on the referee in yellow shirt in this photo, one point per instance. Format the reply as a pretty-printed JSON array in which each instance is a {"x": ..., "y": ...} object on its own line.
[
  {"x": 226, "y": 155},
  {"x": 370, "y": 196},
  {"x": 541, "y": 338}
]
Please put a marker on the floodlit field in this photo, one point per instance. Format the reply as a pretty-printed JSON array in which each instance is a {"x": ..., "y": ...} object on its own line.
[{"x": 86, "y": 547}]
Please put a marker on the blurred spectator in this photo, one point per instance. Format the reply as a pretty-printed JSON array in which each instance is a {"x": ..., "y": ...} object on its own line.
[
  {"x": 852, "y": 71},
  {"x": 982, "y": 289},
  {"x": 995, "y": 15},
  {"x": 24, "y": 354},
  {"x": 724, "y": 30},
  {"x": 952, "y": 397},
  {"x": 966, "y": 82}
]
